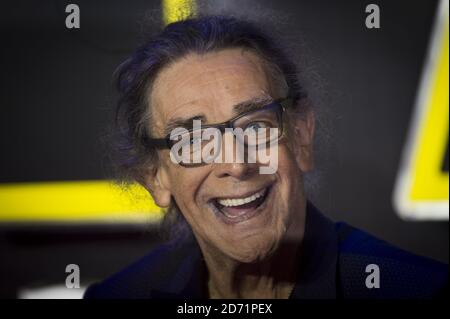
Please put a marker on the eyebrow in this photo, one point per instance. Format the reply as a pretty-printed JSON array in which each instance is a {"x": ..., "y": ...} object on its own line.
[
  {"x": 252, "y": 104},
  {"x": 242, "y": 107},
  {"x": 181, "y": 122}
]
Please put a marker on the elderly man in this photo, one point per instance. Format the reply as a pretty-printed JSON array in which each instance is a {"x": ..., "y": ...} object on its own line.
[{"x": 239, "y": 232}]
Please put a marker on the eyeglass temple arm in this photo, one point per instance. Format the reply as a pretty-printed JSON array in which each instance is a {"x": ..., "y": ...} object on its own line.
[{"x": 156, "y": 142}]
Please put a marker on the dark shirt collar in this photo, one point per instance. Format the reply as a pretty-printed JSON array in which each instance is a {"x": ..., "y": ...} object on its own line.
[
  {"x": 318, "y": 258},
  {"x": 317, "y": 273}
]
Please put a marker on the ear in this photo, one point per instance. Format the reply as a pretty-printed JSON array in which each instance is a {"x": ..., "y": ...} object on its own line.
[
  {"x": 156, "y": 181},
  {"x": 304, "y": 127}
]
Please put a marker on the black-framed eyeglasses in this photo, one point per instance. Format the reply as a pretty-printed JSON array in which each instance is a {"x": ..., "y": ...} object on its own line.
[{"x": 256, "y": 128}]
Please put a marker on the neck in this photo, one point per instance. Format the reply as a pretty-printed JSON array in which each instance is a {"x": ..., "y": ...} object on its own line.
[{"x": 273, "y": 277}]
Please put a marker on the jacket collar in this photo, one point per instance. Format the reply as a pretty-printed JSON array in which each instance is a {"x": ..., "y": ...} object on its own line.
[{"x": 318, "y": 259}]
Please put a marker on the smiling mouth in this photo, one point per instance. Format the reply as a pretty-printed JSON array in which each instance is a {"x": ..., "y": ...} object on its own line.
[{"x": 235, "y": 210}]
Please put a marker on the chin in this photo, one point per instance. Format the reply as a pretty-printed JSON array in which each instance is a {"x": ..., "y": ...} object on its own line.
[{"x": 253, "y": 251}]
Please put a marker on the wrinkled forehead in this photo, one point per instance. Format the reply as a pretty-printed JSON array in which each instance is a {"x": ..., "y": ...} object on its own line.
[{"x": 217, "y": 80}]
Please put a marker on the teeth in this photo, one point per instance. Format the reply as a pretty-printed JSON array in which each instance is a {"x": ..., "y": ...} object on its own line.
[{"x": 240, "y": 201}]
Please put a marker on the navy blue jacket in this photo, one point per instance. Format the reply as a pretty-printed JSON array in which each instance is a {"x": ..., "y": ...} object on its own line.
[{"x": 332, "y": 266}]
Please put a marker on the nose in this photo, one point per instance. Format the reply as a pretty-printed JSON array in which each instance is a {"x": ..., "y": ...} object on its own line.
[
  {"x": 233, "y": 165},
  {"x": 239, "y": 171}
]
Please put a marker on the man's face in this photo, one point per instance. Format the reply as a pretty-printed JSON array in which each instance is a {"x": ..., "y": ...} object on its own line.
[{"x": 209, "y": 86}]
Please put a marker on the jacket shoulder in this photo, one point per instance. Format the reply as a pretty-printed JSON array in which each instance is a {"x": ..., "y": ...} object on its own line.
[
  {"x": 372, "y": 268},
  {"x": 138, "y": 280}
]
